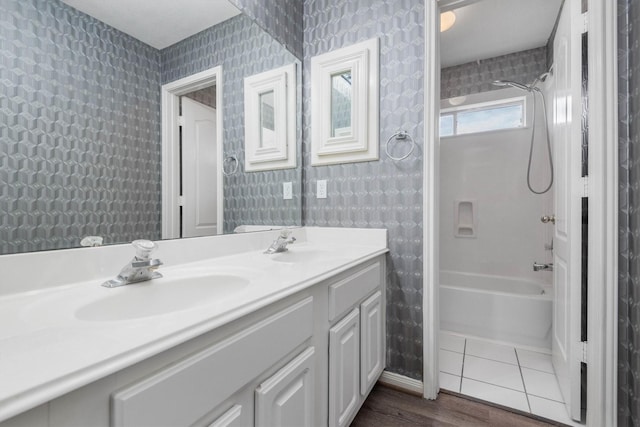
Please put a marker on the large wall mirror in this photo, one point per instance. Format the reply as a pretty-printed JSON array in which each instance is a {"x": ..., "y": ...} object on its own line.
[{"x": 81, "y": 108}]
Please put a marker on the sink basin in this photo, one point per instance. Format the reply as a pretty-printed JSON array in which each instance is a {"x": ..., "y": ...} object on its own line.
[
  {"x": 162, "y": 296},
  {"x": 305, "y": 255}
]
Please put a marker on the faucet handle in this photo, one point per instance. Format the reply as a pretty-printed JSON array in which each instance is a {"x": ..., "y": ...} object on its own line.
[{"x": 144, "y": 248}]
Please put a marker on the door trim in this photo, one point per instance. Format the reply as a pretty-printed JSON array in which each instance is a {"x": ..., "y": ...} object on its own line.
[
  {"x": 431, "y": 276},
  {"x": 170, "y": 109},
  {"x": 603, "y": 210}
]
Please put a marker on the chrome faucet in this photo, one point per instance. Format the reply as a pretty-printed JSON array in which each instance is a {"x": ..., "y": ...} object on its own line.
[
  {"x": 141, "y": 268},
  {"x": 280, "y": 244},
  {"x": 542, "y": 267}
]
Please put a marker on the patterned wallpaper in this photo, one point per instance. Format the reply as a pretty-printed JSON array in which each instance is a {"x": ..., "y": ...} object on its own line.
[
  {"x": 280, "y": 18},
  {"x": 382, "y": 193},
  {"x": 79, "y": 129},
  {"x": 243, "y": 49},
  {"x": 629, "y": 214},
  {"x": 476, "y": 77}
]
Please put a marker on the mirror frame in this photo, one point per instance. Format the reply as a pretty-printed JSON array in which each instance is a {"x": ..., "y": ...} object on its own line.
[
  {"x": 362, "y": 144},
  {"x": 282, "y": 82}
]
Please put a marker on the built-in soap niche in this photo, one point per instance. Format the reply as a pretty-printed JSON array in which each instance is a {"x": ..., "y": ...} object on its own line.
[{"x": 465, "y": 214}]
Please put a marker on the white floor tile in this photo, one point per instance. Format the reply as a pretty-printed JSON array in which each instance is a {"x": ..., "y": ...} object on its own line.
[
  {"x": 450, "y": 362},
  {"x": 495, "y": 394},
  {"x": 541, "y": 384},
  {"x": 488, "y": 350},
  {"x": 552, "y": 410},
  {"x": 451, "y": 342},
  {"x": 492, "y": 372},
  {"x": 449, "y": 382},
  {"x": 535, "y": 360}
]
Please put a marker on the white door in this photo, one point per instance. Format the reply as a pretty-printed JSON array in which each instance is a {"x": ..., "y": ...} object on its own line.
[
  {"x": 200, "y": 163},
  {"x": 344, "y": 369},
  {"x": 566, "y": 134},
  {"x": 286, "y": 399}
]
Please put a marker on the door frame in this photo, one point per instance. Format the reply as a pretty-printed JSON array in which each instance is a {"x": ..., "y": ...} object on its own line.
[
  {"x": 170, "y": 101},
  {"x": 603, "y": 209}
]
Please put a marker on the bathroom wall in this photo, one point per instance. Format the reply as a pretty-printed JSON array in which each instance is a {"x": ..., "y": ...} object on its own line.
[
  {"x": 80, "y": 116},
  {"x": 476, "y": 77},
  {"x": 384, "y": 193},
  {"x": 629, "y": 215},
  {"x": 490, "y": 169},
  {"x": 282, "y": 19},
  {"x": 242, "y": 48}
]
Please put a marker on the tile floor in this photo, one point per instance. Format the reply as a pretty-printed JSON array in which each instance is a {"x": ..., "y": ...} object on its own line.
[{"x": 509, "y": 376}]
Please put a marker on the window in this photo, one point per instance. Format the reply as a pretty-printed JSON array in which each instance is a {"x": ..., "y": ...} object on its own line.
[{"x": 485, "y": 117}]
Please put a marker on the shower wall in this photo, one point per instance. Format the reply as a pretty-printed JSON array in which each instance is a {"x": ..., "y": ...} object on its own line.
[
  {"x": 476, "y": 77},
  {"x": 490, "y": 170}
]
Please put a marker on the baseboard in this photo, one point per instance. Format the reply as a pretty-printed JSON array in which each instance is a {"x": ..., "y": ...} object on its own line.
[{"x": 401, "y": 382}]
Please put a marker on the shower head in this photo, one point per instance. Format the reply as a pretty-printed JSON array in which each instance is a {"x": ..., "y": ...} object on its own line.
[{"x": 512, "y": 84}]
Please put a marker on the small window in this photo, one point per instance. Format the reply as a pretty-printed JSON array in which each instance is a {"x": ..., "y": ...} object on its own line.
[{"x": 485, "y": 117}]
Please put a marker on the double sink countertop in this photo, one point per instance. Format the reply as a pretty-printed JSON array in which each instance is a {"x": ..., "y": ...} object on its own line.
[{"x": 56, "y": 337}]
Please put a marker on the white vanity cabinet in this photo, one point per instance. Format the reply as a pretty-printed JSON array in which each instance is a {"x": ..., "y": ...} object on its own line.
[
  {"x": 356, "y": 341},
  {"x": 307, "y": 359}
]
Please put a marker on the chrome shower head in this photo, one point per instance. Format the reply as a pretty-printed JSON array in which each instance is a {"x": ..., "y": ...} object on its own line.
[{"x": 512, "y": 84}]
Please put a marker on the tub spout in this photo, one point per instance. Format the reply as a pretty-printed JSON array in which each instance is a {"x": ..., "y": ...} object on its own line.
[{"x": 542, "y": 267}]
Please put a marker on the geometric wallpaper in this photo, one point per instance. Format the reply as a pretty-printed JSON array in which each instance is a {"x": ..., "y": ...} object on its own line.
[
  {"x": 79, "y": 129},
  {"x": 282, "y": 19},
  {"x": 629, "y": 213},
  {"x": 476, "y": 77},
  {"x": 382, "y": 193},
  {"x": 242, "y": 48}
]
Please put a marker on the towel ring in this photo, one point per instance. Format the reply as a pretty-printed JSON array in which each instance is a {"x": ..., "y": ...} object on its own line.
[
  {"x": 228, "y": 159},
  {"x": 401, "y": 135}
]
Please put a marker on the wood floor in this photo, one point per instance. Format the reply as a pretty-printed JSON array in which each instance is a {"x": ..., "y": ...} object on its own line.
[{"x": 387, "y": 407}]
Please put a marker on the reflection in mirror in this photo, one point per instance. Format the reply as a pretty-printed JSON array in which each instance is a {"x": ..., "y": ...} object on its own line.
[
  {"x": 267, "y": 122},
  {"x": 83, "y": 141},
  {"x": 341, "y": 94}
]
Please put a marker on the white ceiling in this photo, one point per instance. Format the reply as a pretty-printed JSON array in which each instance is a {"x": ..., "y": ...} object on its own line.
[
  {"x": 490, "y": 28},
  {"x": 159, "y": 23}
]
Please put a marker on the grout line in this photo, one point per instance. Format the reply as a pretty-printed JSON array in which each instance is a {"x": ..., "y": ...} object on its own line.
[
  {"x": 496, "y": 385},
  {"x": 464, "y": 355},
  {"x": 522, "y": 378},
  {"x": 494, "y": 360}
]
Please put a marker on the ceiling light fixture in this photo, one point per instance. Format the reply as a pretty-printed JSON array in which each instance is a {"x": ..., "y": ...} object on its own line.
[{"x": 447, "y": 19}]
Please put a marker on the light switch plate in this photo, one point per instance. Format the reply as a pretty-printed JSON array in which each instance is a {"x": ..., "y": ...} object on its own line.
[
  {"x": 322, "y": 189},
  {"x": 287, "y": 190}
]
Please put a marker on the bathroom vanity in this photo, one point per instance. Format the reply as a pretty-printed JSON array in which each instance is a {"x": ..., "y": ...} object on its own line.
[{"x": 228, "y": 337}]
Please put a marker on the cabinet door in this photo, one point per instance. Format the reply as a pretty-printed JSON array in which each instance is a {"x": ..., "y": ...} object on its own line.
[
  {"x": 372, "y": 342},
  {"x": 344, "y": 369},
  {"x": 286, "y": 398}
]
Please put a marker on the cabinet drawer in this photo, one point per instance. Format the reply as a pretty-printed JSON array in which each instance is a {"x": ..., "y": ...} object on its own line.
[
  {"x": 183, "y": 393},
  {"x": 231, "y": 418},
  {"x": 346, "y": 293}
]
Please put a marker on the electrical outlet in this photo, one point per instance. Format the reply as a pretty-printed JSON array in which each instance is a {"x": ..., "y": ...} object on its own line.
[
  {"x": 287, "y": 190},
  {"x": 322, "y": 189}
]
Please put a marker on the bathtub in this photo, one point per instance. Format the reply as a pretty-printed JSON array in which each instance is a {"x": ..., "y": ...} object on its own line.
[{"x": 507, "y": 309}]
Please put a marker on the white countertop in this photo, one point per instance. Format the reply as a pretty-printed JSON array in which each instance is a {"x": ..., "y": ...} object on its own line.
[{"x": 48, "y": 345}]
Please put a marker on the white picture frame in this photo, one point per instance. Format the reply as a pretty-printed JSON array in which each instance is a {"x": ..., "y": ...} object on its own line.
[{"x": 360, "y": 141}]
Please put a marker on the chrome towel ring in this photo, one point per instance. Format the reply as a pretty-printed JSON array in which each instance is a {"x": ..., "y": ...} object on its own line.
[{"x": 400, "y": 135}]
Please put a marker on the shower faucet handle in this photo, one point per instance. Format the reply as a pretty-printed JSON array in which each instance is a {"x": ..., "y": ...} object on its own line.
[{"x": 548, "y": 218}]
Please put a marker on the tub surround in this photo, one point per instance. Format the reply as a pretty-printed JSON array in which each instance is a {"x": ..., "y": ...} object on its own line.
[{"x": 53, "y": 342}]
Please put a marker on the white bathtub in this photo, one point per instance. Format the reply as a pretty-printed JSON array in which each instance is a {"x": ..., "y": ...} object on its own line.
[{"x": 507, "y": 309}]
